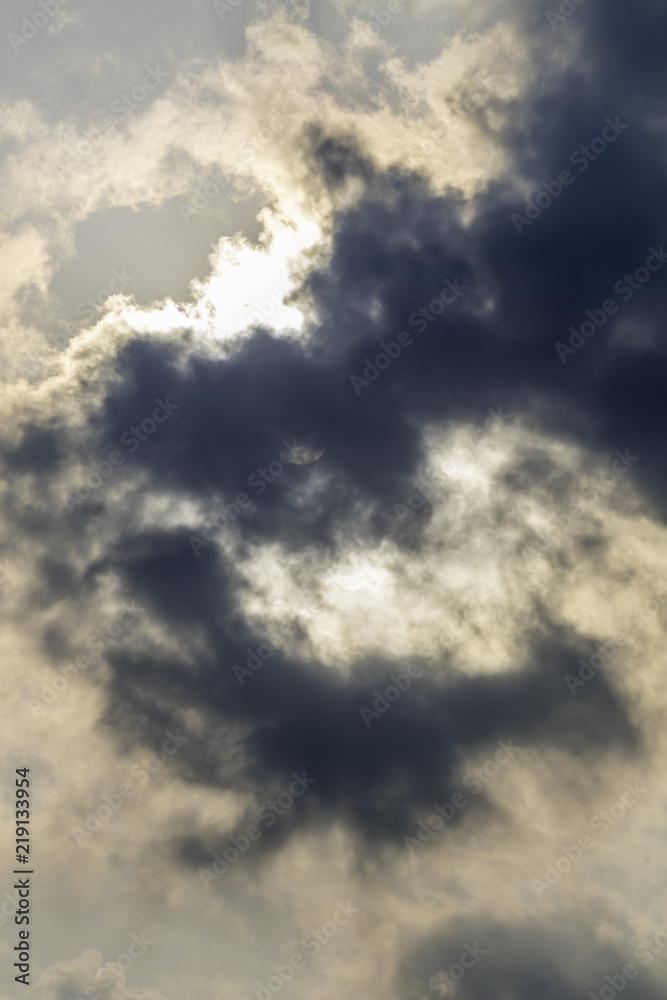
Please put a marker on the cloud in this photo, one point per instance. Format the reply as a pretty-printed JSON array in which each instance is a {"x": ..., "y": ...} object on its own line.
[
  {"x": 65, "y": 979},
  {"x": 541, "y": 535}
]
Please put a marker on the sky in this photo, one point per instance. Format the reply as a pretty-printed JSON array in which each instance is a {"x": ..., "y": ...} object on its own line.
[{"x": 334, "y": 499}]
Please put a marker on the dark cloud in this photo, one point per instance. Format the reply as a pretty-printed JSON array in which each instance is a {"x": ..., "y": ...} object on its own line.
[
  {"x": 536, "y": 958},
  {"x": 395, "y": 248},
  {"x": 378, "y": 779}
]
